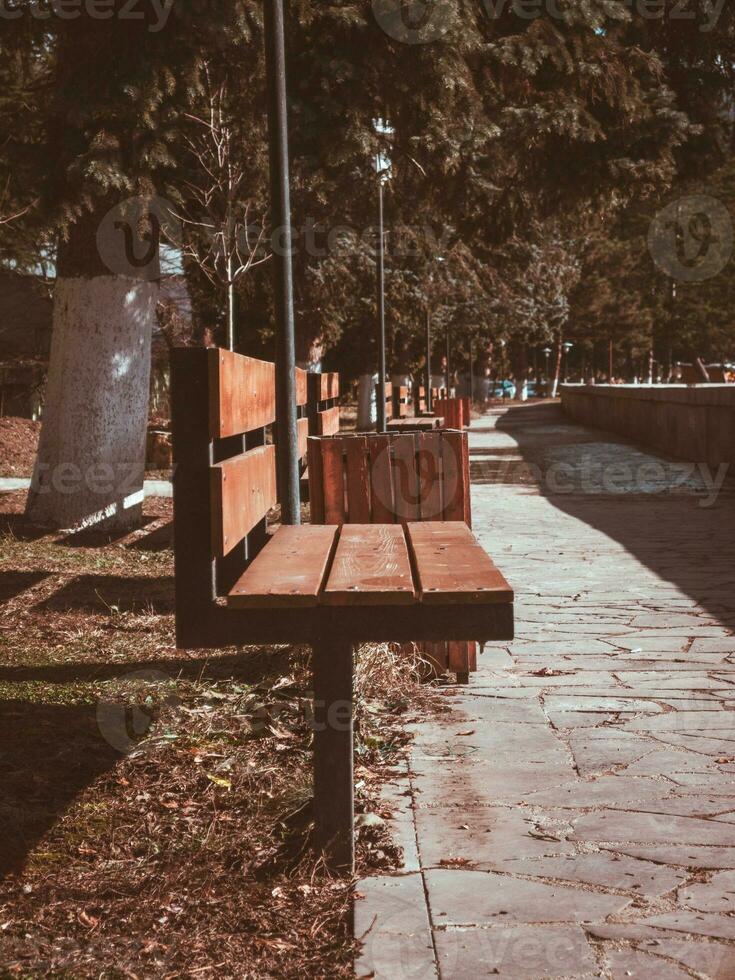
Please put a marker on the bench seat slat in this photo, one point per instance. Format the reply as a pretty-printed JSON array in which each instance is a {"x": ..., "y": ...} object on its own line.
[
  {"x": 289, "y": 572},
  {"x": 371, "y": 567},
  {"x": 452, "y": 566}
]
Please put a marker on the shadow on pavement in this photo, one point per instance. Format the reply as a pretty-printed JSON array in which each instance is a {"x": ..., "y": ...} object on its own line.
[{"x": 664, "y": 525}]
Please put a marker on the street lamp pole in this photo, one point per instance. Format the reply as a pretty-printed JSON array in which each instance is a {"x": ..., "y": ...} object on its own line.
[
  {"x": 567, "y": 348},
  {"x": 429, "y": 399},
  {"x": 447, "y": 376},
  {"x": 381, "y": 309},
  {"x": 287, "y": 448},
  {"x": 472, "y": 372}
]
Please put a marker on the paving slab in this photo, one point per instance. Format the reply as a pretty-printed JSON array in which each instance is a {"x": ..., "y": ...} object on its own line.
[
  {"x": 572, "y": 814},
  {"x": 462, "y": 897},
  {"x": 521, "y": 951}
]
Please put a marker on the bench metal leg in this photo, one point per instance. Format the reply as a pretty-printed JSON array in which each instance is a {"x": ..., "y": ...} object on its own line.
[{"x": 334, "y": 798}]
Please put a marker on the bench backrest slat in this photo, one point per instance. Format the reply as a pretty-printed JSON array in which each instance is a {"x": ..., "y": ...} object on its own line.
[
  {"x": 243, "y": 491},
  {"x": 384, "y": 479},
  {"x": 382, "y": 495}
]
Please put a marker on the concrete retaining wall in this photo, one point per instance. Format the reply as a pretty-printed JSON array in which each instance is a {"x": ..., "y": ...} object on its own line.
[{"x": 695, "y": 422}]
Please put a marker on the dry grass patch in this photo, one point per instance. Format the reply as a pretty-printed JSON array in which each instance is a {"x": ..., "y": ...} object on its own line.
[{"x": 156, "y": 817}]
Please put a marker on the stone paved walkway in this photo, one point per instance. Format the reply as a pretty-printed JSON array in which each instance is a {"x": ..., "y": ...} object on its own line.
[{"x": 573, "y": 815}]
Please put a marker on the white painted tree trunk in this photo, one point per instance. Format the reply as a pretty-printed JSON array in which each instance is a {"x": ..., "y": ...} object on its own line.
[{"x": 91, "y": 458}]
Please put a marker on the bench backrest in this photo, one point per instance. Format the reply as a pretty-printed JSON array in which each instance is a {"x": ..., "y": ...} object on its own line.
[
  {"x": 420, "y": 400},
  {"x": 323, "y": 410},
  {"x": 456, "y": 412},
  {"x": 223, "y": 409},
  {"x": 392, "y": 478}
]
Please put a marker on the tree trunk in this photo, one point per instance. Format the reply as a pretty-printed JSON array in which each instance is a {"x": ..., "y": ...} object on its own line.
[
  {"x": 557, "y": 370},
  {"x": 91, "y": 456}
]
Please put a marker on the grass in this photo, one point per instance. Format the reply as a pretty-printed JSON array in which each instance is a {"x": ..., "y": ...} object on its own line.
[{"x": 156, "y": 816}]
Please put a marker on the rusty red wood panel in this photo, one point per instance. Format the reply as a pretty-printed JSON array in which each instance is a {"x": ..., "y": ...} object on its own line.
[
  {"x": 242, "y": 393},
  {"x": 290, "y": 570},
  {"x": 381, "y": 480},
  {"x": 328, "y": 422},
  {"x": 358, "y": 480},
  {"x": 316, "y": 480},
  {"x": 301, "y": 387},
  {"x": 430, "y": 476},
  {"x": 333, "y": 480},
  {"x": 452, "y": 566},
  {"x": 456, "y": 477},
  {"x": 243, "y": 491},
  {"x": 371, "y": 567},
  {"x": 405, "y": 477},
  {"x": 302, "y": 430}
]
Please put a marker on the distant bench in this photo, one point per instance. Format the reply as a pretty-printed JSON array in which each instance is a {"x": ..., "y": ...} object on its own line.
[{"x": 330, "y": 586}]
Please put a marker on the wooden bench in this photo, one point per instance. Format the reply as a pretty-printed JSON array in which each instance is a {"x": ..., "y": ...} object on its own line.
[
  {"x": 426, "y": 424},
  {"x": 396, "y": 478},
  {"x": 322, "y": 405},
  {"x": 457, "y": 412},
  {"x": 329, "y": 586}
]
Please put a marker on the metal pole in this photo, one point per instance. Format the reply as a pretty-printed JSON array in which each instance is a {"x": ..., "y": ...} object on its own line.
[
  {"x": 472, "y": 372},
  {"x": 381, "y": 311},
  {"x": 287, "y": 444},
  {"x": 429, "y": 399},
  {"x": 231, "y": 305},
  {"x": 447, "y": 374}
]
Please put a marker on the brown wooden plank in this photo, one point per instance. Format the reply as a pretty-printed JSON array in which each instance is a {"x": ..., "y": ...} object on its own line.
[
  {"x": 328, "y": 422},
  {"x": 405, "y": 477},
  {"x": 371, "y": 568},
  {"x": 455, "y": 471},
  {"x": 430, "y": 476},
  {"x": 381, "y": 480},
  {"x": 333, "y": 480},
  {"x": 358, "y": 480},
  {"x": 301, "y": 387},
  {"x": 243, "y": 491},
  {"x": 302, "y": 432},
  {"x": 242, "y": 393},
  {"x": 459, "y": 656},
  {"x": 329, "y": 386},
  {"x": 452, "y": 566},
  {"x": 316, "y": 480},
  {"x": 289, "y": 572}
]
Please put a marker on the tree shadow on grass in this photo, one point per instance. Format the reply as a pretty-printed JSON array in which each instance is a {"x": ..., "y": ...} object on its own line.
[
  {"x": 19, "y": 528},
  {"x": 48, "y": 754},
  {"x": 689, "y": 545},
  {"x": 251, "y": 666},
  {"x": 13, "y": 583},
  {"x": 159, "y": 539},
  {"x": 105, "y": 593},
  {"x": 94, "y": 538}
]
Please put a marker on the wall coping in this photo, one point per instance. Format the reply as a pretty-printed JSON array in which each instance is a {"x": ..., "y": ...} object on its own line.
[{"x": 704, "y": 394}]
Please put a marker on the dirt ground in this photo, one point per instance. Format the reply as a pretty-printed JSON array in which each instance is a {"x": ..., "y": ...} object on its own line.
[
  {"x": 18, "y": 444},
  {"x": 156, "y": 813}
]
